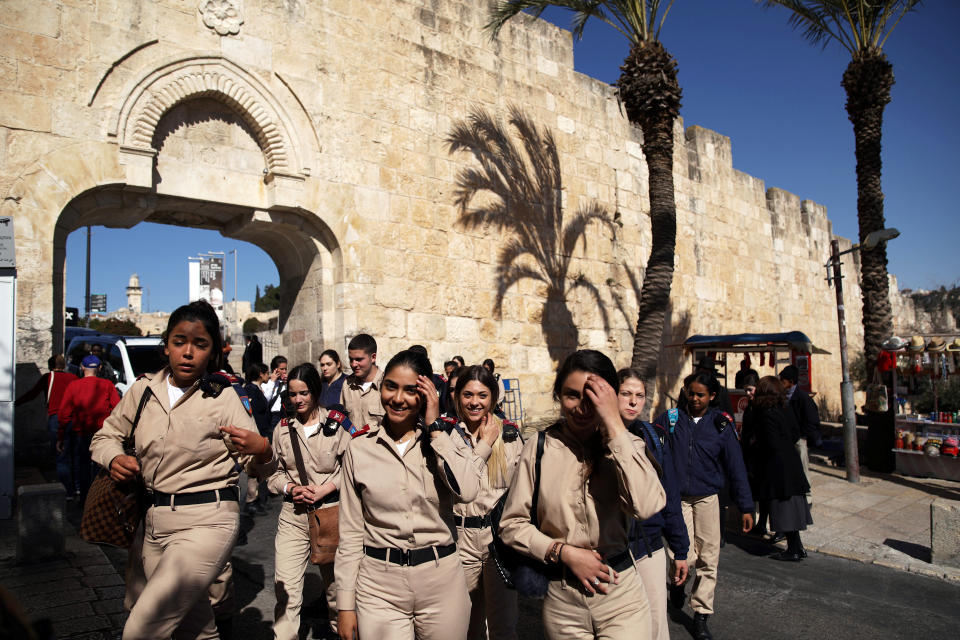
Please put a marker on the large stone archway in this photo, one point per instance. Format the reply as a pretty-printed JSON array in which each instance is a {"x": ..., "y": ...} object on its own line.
[{"x": 303, "y": 249}]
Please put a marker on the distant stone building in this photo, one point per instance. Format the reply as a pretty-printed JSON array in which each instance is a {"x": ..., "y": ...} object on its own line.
[
  {"x": 134, "y": 294},
  {"x": 318, "y": 131}
]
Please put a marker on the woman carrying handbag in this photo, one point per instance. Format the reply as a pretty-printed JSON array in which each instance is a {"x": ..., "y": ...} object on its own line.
[
  {"x": 191, "y": 435},
  {"x": 307, "y": 451},
  {"x": 595, "y": 477}
]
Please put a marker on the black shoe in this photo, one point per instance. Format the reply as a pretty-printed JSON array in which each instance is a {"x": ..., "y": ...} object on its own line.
[
  {"x": 776, "y": 537},
  {"x": 788, "y": 556},
  {"x": 803, "y": 552},
  {"x": 757, "y": 532},
  {"x": 677, "y": 597},
  {"x": 700, "y": 630}
]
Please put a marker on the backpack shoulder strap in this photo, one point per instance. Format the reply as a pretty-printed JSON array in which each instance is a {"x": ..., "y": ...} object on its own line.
[{"x": 534, "y": 503}]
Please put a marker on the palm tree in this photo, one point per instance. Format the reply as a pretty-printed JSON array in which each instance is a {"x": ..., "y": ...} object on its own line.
[
  {"x": 518, "y": 191},
  {"x": 649, "y": 91},
  {"x": 861, "y": 27}
]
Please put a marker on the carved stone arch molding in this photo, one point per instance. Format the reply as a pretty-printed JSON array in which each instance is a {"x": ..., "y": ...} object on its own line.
[{"x": 213, "y": 76}]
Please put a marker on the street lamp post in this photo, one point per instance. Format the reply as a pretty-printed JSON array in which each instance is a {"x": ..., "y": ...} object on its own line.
[{"x": 850, "y": 447}]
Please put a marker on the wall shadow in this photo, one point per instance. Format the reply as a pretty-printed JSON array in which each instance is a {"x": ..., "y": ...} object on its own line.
[{"x": 517, "y": 190}]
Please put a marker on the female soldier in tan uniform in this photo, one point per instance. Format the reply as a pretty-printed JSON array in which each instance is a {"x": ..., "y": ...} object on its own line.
[
  {"x": 189, "y": 439},
  {"x": 475, "y": 396},
  {"x": 398, "y": 572},
  {"x": 321, "y": 443},
  {"x": 595, "y": 477}
]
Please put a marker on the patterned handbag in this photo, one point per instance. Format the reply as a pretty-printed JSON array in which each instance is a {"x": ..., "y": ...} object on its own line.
[{"x": 113, "y": 510}]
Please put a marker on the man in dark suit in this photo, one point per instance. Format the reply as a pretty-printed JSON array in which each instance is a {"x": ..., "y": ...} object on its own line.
[
  {"x": 808, "y": 418},
  {"x": 253, "y": 354}
]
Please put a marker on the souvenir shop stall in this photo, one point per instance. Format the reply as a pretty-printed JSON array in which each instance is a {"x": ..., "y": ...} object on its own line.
[
  {"x": 766, "y": 353},
  {"x": 926, "y": 442}
]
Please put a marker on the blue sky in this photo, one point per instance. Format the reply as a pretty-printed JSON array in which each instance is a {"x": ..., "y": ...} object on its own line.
[{"x": 746, "y": 74}]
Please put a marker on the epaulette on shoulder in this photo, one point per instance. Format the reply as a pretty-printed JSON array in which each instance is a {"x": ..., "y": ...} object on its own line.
[
  {"x": 722, "y": 421},
  {"x": 510, "y": 431}
]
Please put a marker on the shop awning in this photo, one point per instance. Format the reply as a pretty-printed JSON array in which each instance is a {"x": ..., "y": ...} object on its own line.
[{"x": 752, "y": 342}]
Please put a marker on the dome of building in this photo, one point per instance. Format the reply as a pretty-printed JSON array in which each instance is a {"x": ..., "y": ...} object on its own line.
[{"x": 134, "y": 280}]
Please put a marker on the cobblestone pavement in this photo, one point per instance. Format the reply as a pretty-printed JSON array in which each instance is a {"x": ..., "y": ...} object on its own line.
[{"x": 81, "y": 595}]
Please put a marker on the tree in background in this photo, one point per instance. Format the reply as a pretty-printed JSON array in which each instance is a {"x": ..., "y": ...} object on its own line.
[
  {"x": 861, "y": 27},
  {"x": 115, "y": 326},
  {"x": 269, "y": 301},
  {"x": 650, "y": 92}
]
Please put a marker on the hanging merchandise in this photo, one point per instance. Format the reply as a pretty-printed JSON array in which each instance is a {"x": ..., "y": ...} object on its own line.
[
  {"x": 886, "y": 361},
  {"x": 903, "y": 364},
  {"x": 877, "y": 395}
]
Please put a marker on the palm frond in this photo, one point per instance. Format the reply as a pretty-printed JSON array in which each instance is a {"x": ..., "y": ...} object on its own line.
[
  {"x": 858, "y": 25},
  {"x": 574, "y": 231},
  {"x": 636, "y": 20}
]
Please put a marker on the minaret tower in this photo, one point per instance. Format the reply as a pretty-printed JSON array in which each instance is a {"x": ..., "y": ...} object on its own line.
[{"x": 134, "y": 294}]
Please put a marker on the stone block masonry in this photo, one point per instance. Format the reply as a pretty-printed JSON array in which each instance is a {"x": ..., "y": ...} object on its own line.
[{"x": 318, "y": 131}]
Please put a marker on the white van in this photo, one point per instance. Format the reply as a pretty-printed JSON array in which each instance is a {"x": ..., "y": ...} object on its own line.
[{"x": 124, "y": 357}]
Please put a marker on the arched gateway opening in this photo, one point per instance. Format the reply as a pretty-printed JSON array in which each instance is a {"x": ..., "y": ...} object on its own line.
[
  {"x": 302, "y": 250},
  {"x": 205, "y": 144}
]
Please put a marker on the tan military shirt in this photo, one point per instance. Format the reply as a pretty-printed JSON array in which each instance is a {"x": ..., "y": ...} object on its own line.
[
  {"x": 181, "y": 448},
  {"x": 400, "y": 502},
  {"x": 593, "y": 515},
  {"x": 321, "y": 455},
  {"x": 363, "y": 407},
  {"x": 489, "y": 493}
]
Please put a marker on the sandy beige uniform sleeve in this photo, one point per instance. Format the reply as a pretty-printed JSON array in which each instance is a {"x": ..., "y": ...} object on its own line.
[
  {"x": 460, "y": 468},
  {"x": 107, "y": 442},
  {"x": 342, "y": 442},
  {"x": 350, "y": 548},
  {"x": 515, "y": 527},
  {"x": 641, "y": 492},
  {"x": 279, "y": 473},
  {"x": 236, "y": 415}
]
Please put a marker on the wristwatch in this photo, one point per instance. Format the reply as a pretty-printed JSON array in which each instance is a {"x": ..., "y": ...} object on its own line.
[
  {"x": 554, "y": 554},
  {"x": 437, "y": 425}
]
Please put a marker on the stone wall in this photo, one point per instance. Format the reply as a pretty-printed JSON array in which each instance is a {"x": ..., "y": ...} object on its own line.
[{"x": 121, "y": 111}]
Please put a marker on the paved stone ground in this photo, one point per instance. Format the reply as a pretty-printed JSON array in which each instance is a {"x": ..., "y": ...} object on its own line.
[
  {"x": 879, "y": 524},
  {"x": 883, "y": 520}
]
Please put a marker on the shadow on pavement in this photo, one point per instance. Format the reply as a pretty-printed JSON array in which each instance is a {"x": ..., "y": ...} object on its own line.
[{"x": 912, "y": 549}]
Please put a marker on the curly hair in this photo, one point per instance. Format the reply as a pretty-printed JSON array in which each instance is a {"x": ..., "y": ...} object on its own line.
[{"x": 769, "y": 393}]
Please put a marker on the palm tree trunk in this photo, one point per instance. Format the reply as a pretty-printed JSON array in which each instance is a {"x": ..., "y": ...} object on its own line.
[
  {"x": 651, "y": 95},
  {"x": 867, "y": 81},
  {"x": 658, "y": 277}
]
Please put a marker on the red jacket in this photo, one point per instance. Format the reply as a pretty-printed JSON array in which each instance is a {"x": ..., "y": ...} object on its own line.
[
  {"x": 60, "y": 381},
  {"x": 86, "y": 403}
]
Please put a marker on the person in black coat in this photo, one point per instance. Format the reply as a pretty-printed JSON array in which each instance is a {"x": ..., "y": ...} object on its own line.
[
  {"x": 253, "y": 354},
  {"x": 778, "y": 478}
]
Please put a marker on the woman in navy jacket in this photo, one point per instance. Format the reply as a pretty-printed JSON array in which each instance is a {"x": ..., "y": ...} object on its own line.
[
  {"x": 646, "y": 537},
  {"x": 706, "y": 452}
]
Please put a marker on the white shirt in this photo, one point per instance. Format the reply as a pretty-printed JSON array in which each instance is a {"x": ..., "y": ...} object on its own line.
[
  {"x": 174, "y": 392},
  {"x": 696, "y": 420},
  {"x": 402, "y": 446},
  {"x": 310, "y": 429},
  {"x": 268, "y": 390},
  {"x": 790, "y": 391}
]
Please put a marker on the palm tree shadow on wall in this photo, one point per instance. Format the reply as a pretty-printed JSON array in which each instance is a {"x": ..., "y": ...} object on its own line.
[
  {"x": 517, "y": 190},
  {"x": 675, "y": 330}
]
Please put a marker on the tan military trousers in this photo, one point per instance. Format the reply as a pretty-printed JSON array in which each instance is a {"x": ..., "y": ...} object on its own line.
[
  {"x": 701, "y": 514},
  {"x": 426, "y": 602},
  {"x": 492, "y": 604},
  {"x": 652, "y": 571},
  {"x": 184, "y": 550},
  {"x": 221, "y": 593},
  {"x": 292, "y": 548},
  {"x": 570, "y": 613}
]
